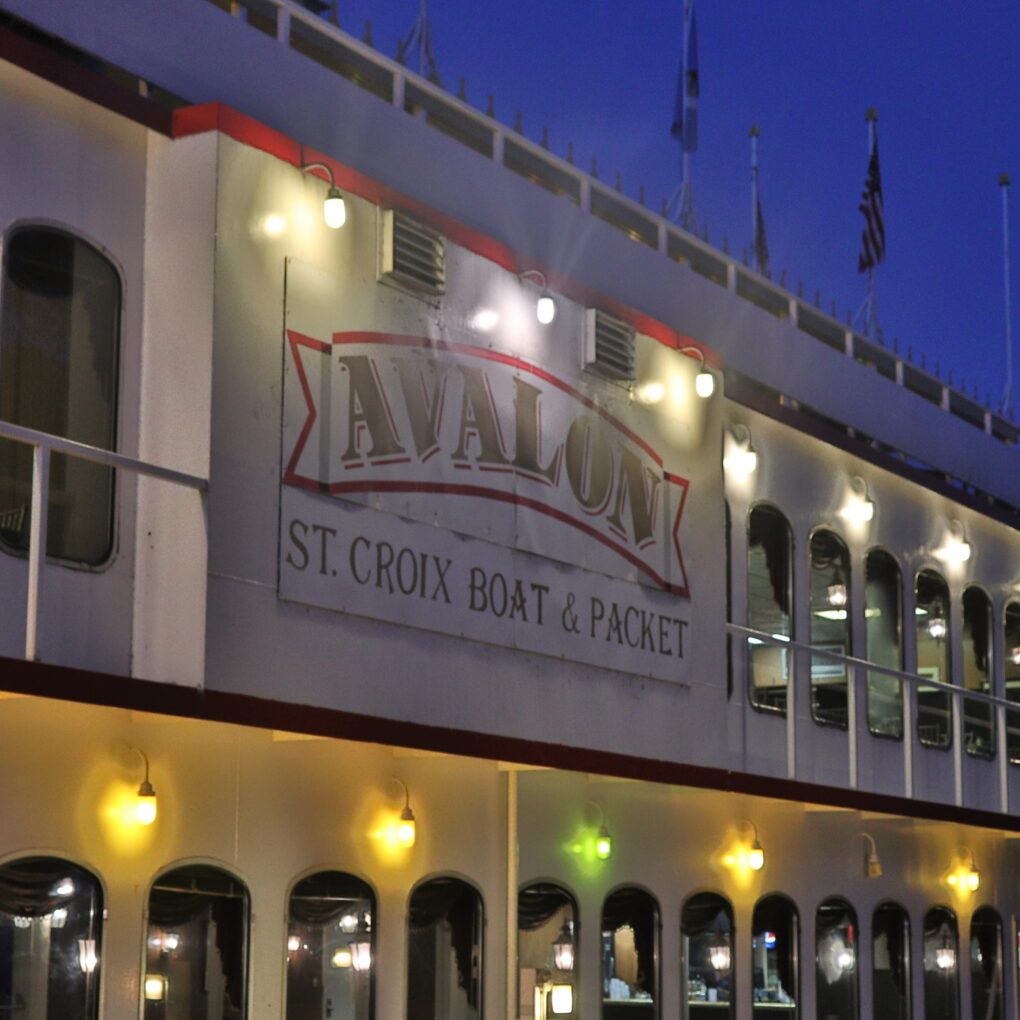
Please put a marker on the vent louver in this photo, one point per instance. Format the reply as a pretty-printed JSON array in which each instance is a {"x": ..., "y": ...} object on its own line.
[
  {"x": 413, "y": 255},
  {"x": 609, "y": 345}
]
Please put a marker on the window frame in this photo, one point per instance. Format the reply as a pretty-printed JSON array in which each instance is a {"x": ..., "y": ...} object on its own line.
[
  {"x": 851, "y": 911},
  {"x": 795, "y": 952},
  {"x": 727, "y": 907},
  {"x": 84, "y": 237},
  {"x": 656, "y": 935},
  {"x": 950, "y": 640},
  {"x": 848, "y": 648},
  {"x": 991, "y": 672},
  {"x": 908, "y": 963},
  {"x": 905, "y": 690}
]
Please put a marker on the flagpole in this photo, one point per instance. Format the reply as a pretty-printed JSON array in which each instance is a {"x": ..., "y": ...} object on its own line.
[
  {"x": 754, "y": 193},
  {"x": 873, "y": 328},
  {"x": 1007, "y": 400}
]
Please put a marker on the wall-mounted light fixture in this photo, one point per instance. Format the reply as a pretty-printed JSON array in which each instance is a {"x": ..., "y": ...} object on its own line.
[
  {"x": 603, "y": 840},
  {"x": 334, "y": 208},
  {"x": 704, "y": 381},
  {"x": 740, "y": 458},
  {"x": 755, "y": 852},
  {"x": 955, "y": 548},
  {"x": 859, "y": 507},
  {"x": 545, "y": 306},
  {"x": 563, "y": 948},
  {"x": 407, "y": 827},
  {"x": 145, "y": 799},
  {"x": 872, "y": 865},
  {"x": 965, "y": 877}
]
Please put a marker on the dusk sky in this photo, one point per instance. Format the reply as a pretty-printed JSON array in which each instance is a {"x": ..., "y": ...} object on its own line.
[{"x": 944, "y": 76}]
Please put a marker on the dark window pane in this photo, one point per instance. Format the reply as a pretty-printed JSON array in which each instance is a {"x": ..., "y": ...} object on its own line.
[
  {"x": 890, "y": 950},
  {"x": 1011, "y": 654},
  {"x": 986, "y": 994},
  {"x": 630, "y": 955},
  {"x": 774, "y": 938},
  {"x": 546, "y": 951},
  {"x": 444, "y": 965},
  {"x": 836, "y": 961},
  {"x": 941, "y": 965},
  {"x": 197, "y": 946},
  {"x": 50, "y": 933},
  {"x": 706, "y": 928},
  {"x": 883, "y": 624},
  {"x": 978, "y": 720},
  {"x": 932, "y": 627},
  {"x": 769, "y": 554},
  {"x": 59, "y": 340},
  {"x": 331, "y": 948},
  {"x": 829, "y": 578}
]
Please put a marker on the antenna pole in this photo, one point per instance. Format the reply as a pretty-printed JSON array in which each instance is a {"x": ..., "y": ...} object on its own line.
[
  {"x": 754, "y": 194},
  {"x": 1007, "y": 398}
]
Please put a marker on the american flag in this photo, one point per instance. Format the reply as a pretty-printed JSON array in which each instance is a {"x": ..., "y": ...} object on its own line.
[
  {"x": 685, "y": 110},
  {"x": 873, "y": 234},
  {"x": 761, "y": 244}
]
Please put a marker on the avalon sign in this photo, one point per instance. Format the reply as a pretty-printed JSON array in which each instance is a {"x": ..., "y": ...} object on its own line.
[{"x": 446, "y": 486}]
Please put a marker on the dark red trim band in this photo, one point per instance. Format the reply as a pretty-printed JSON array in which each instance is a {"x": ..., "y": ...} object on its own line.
[{"x": 84, "y": 687}]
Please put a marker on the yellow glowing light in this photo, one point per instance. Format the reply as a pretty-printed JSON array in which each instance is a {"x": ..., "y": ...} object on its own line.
[
  {"x": 651, "y": 393},
  {"x": 293, "y": 943},
  {"x": 274, "y": 225},
  {"x": 756, "y": 856},
  {"x": 145, "y": 808},
  {"x": 342, "y": 958},
  {"x": 406, "y": 828},
  {"x": 561, "y": 999},
  {"x": 603, "y": 844},
  {"x": 973, "y": 878},
  {"x": 155, "y": 987}
]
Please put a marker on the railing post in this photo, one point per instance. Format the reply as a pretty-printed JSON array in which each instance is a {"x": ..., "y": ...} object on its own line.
[
  {"x": 36, "y": 547},
  {"x": 851, "y": 726},
  {"x": 957, "y": 706},
  {"x": 1000, "y": 722},
  {"x": 908, "y": 738},
  {"x": 793, "y": 659}
]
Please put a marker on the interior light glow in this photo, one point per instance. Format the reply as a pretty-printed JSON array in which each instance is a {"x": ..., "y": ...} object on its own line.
[
  {"x": 937, "y": 628},
  {"x": 349, "y": 923},
  {"x": 1014, "y": 656},
  {"x": 485, "y": 320},
  {"x": 719, "y": 957},
  {"x": 561, "y": 999},
  {"x": 361, "y": 956},
  {"x": 342, "y": 958},
  {"x": 58, "y": 918},
  {"x": 704, "y": 384},
  {"x": 651, "y": 393},
  {"x": 563, "y": 948},
  {"x": 603, "y": 844},
  {"x": 65, "y": 887},
  {"x": 545, "y": 309},
  {"x": 945, "y": 957},
  {"x": 155, "y": 987},
  {"x": 837, "y": 593},
  {"x": 87, "y": 958},
  {"x": 293, "y": 943},
  {"x": 830, "y": 614}
]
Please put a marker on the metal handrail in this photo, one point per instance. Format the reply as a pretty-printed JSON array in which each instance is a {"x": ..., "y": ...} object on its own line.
[{"x": 43, "y": 446}]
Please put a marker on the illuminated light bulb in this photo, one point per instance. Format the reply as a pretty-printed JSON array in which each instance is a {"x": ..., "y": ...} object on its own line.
[
  {"x": 603, "y": 844},
  {"x": 561, "y": 1000},
  {"x": 145, "y": 804},
  {"x": 349, "y": 923},
  {"x": 837, "y": 594},
  {"x": 334, "y": 209},
  {"x": 844, "y": 959},
  {"x": 87, "y": 958},
  {"x": 563, "y": 949},
  {"x": 945, "y": 957},
  {"x": 973, "y": 878},
  {"x": 741, "y": 462},
  {"x": 406, "y": 828},
  {"x": 155, "y": 987},
  {"x": 58, "y": 918},
  {"x": 65, "y": 887},
  {"x": 651, "y": 393},
  {"x": 704, "y": 384},
  {"x": 1014, "y": 656},
  {"x": 545, "y": 309},
  {"x": 171, "y": 941},
  {"x": 937, "y": 628},
  {"x": 293, "y": 943},
  {"x": 342, "y": 958},
  {"x": 361, "y": 956},
  {"x": 485, "y": 320},
  {"x": 719, "y": 957},
  {"x": 756, "y": 856}
]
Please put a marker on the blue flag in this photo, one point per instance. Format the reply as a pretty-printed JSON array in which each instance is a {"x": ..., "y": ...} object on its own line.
[{"x": 685, "y": 109}]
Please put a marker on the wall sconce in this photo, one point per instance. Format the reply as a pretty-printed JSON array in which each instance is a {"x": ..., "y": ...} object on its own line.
[
  {"x": 145, "y": 799},
  {"x": 756, "y": 852},
  {"x": 563, "y": 948},
  {"x": 956, "y": 548},
  {"x": 334, "y": 209},
  {"x": 704, "y": 381},
  {"x": 859, "y": 508},
  {"x": 962, "y": 877},
  {"x": 406, "y": 830},
  {"x": 155, "y": 987},
  {"x": 872, "y": 865},
  {"x": 741, "y": 458},
  {"x": 87, "y": 958},
  {"x": 545, "y": 306},
  {"x": 603, "y": 840}
]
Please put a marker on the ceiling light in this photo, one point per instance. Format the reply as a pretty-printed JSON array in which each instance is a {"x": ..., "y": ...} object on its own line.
[
  {"x": 561, "y": 1000},
  {"x": 293, "y": 943},
  {"x": 342, "y": 958},
  {"x": 836, "y": 592},
  {"x": 945, "y": 957},
  {"x": 719, "y": 956},
  {"x": 334, "y": 209}
]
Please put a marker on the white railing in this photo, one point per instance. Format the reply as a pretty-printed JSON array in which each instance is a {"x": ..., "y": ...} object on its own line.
[
  {"x": 857, "y": 673},
  {"x": 44, "y": 446}
]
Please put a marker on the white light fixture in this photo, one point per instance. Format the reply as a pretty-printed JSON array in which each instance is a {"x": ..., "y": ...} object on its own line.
[
  {"x": 155, "y": 987},
  {"x": 859, "y": 508},
  {"x": 349, "y": 923},
  {"x": 334, "y": 209},
  {"x": 361, "y": 956},
  {"x": 293, "y": 943},
  {"x": 561, "y": 1000},
  {"x": 172, "y": 941},
  {"x": 545, "y": 306},
  {"x": 719, "y": 956},
  {"x": 87, "y": 958},
  {"x": 945, "y": 957},
  {"x": 65, "y": 887},
  {"x": 872, "y": 865},
  {"x": 836, "y": 592},
  {"x": 704, "y": 381},
  {"x": 740, "y": 458},
  {"x": 1014, "y": 656},
  {"x": 563, "y": 948},
  {"x": 58, "y": 918},
  {"x": 956, "y": 548},
  {"x": 485, "y": 320},
  {"x": 937, "y": 628}
]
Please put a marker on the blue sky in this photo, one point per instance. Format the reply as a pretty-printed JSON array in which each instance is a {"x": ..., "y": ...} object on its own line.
[{"x": 944, "y": 76}]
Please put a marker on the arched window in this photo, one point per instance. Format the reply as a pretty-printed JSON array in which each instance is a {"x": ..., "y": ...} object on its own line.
[
  {"x": 769, "y": 590},
  {"x": 830, "y": 626},
  {"x": 774, "y": 938},
  {"x": 890, "y": 960},
  {"x": 978, "y": 721},
  {"x": 196, "y": 959},
  {"x": 941, "y": 965},
  {"x": 444, "y": 952},
  {"x": 934, "y": 710},
  {"x": 883, "y": 628},
  {"x": 630, "y": 955},
  {"x": 986, "y": 993},
  {"x": 836, "y": 938},
  {"x": 1011, "y": 655},
  {"x": 59, "y": 342},
  {"x": 50, "y": 939},
  {"x": 331, "y": 947},
  {"x": 706, "y": 983},
  {"x": 546, "y": 951}
]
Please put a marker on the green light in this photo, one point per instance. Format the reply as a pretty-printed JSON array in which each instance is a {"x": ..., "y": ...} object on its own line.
[{"x": 603, "y": 844}]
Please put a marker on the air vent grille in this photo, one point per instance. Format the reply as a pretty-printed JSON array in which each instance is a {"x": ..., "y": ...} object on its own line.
[
  {"x": 413, "y": 254},
  {"x": 609, "y": 345}
]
